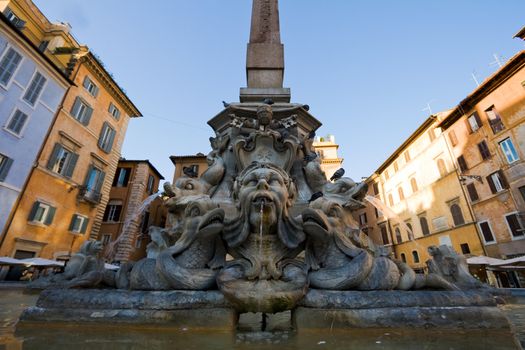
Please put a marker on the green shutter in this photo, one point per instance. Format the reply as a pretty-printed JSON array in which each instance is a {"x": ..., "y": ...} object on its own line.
[
  {"x": 84, "y": 225},
  {"x": 50, "y": 215},
  {"x": 111, "y": 139},
  {"x": 95, "y": 92},
  {"x": 76, "y": 107},
  {"x": 100, "y": 140},
  {"x": 72, "y": 223},
  {"x": 4, "y": 168},
  {"x": 52, "y": 160},
  {"x": 85, "y": 84},
  {"x": 32, "y": 213},
  {"x": 70, "y": 166},
  {"x": 87, "y": 116},
  {"x": 100, "y": 181}
]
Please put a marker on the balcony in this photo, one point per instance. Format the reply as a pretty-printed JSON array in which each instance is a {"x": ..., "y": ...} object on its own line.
[{"x": 88, "y": 195}]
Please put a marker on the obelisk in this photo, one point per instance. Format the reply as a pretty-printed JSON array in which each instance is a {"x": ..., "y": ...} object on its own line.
[{"x": 265, "y": 56}]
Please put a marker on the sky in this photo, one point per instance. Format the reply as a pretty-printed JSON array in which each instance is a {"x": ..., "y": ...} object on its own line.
[{"x": 368, "y": 69}]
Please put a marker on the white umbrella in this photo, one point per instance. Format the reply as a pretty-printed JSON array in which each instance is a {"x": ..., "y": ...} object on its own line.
[
  {"x": 518, "y": 260},
  {"x": 5, "y": 260},
  {"x": 41, "y": 262},
  {"x": 484, "y": 260}
]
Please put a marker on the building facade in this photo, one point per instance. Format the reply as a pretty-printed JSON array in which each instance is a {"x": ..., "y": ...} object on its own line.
[
  {"x": 127, "y": 213},
  {"x": 326, "y": 150},
  {"x": 31, "y": 90},
  {"x": 64, "y": 200},
  {"x": 197, "y": 163},
  {"x": 486, "y": 133},
  {"x": 424, "y": 200}
]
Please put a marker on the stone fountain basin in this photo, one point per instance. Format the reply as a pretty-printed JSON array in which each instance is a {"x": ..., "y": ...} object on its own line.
[{"x": 476, "y": 309}]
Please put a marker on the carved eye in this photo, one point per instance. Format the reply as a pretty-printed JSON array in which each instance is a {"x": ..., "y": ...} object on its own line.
[
  {"x": 195, "y": 211},
  {"x": 189, "y": 186},
  {"x": 252, "y": 182},
  {"x": 275, "y": 182},
  {"x": 344, "y": 189},
  {"x": 333, "y": 212}
]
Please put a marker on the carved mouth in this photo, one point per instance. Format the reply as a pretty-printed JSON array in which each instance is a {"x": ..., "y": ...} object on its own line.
[
  {"x": 214, "y": 217},
  {"x": 311, "y": 217},
  {"x": 262, "y": 199}
]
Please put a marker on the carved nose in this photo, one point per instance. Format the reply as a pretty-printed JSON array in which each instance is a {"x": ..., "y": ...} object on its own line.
[{"x": 262, "y": 185}]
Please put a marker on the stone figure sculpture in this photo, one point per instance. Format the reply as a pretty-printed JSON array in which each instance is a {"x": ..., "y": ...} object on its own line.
[
  {"x": 85, "y": 269},
  {"x": 264, "y": 241}
]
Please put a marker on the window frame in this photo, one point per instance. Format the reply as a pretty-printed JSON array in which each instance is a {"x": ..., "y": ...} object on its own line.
[
  {"x": 82, "y": 115},
  {"x": 70, "y": 162},
  {"x": 507, "y": 141},
  {"x": 17, "y": 67},
  {"x": 462, "y": 217},
  {"x": 5, "y": 166},
  {"x": 495, "y": 123},
  {"x": 114, "y": 111},
  {"x": 502, "y": 182},
  {"x": 415, "y": 257},
  {"x": 106, "y": 138},
  {"x": 30, "y": 102},
  {"x": 82, "y": 227},
  {"x": 428, "y": 232},
  {"x": 484, "y": 150},
  {"x": 478, "y": 124},
  {"x": 490, "y": 229},
  {"x": 514, "y": 238},
  {"x": 10, "y": 119},
  {"x": 47, "y": 215},
  {"x": 150, "y": 184},
  {"x": 89, "y": 85}
]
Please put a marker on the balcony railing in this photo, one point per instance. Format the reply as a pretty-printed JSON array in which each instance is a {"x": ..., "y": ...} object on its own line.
[{"x": 88, "y": 195}]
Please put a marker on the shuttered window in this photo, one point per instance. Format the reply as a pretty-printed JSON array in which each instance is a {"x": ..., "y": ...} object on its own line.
[
  {"x": 114, "y": 111},
  {"x": 8, "y": 65},
  {"x": 81, "y": 111},
  {"x": 497, "y": 182},
  {"x": 457, "y": 215},
  {"x": 424, "y": 225},
  {"x": 90, "y": 86},
  {"x": 472, "y": 192},
  {"x": 452, "y": 137},
  {"x": 384, "y": 235},
  {"x": 484, "y": 150},
  {"x": 462, "y": 163},
  {"x": 94, "y": 180},
  {"x": 474, "y": 122},
  {"x": 415, "y": 256},
  {"x": 62, "y": 161},
  {"x": 509, "y": 150},
  {"x": 42, "y": 213},
  {"x": 106, "y": 138},
  {"x": 78, "y": 224},
  {"x": 494, "y": 120},
  {"x": 5, "y": 165},
  {"x": 17, "y": 122},
  {"x": 35, "y": 88}
]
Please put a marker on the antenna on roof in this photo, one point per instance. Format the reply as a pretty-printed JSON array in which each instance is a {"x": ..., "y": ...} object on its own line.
[
  {"x": 474, "y": 76},
  {"x": 427, "y": 108},
  {"x": 497, "y": 60}
]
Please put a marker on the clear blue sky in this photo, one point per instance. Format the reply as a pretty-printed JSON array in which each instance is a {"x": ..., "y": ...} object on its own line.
[{"x": 366, "y": 68}]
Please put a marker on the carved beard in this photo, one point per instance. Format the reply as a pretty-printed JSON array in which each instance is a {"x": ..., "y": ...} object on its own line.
[{"x": 289, "y": 230}]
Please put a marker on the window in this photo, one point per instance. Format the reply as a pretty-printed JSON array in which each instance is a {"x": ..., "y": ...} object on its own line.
[
  {"x": 484, "y": 150},
  {"x": 42, "y": 213},
  {"x": 145, "y": 223},
  {"x": 396, "y": 167},
  {"x": 81, "y": 111},
  {"x": 78, "y": 224},
  {"x": 19, "y": 23},
  {"x": 472, "y": 192},
  {"x": 415, "y": 256},
  {"x": 403, "y": 257},
  {"x": 5, "y": 165},
  {"x": 407, "y": 156},
  {"x": 113, "y": 211},
  {"x": 431, "y": 135},
  {"x": 398, "y": 235},
  {"x": 43, "y": 45},
  {"x": 151, "y": 182},
  {"x": 515, "y": 226},
  {"x": 474, "y": 122},
  {"x": 121, "y": 177},
  {"x": 62, "y": 161},
  {"x": 8, "y": 65},
  {"x": 410, "y": 231},
  {"x": 384, "y": 234},
  {"x": 90, "y": 86},
  {"x": 465, "y": 249},
  {"x": 35, "y": 88},
  {"x": 462, "y": 164},
  {"x": 387, "y": 175},
  {"x": 138, "y": 242},
  {"x": 457, "y": 215},
  {"x": 377, "y": 212},
  {"x": 401, "y": 193},
  {"x": 114, "y": 111},
  {"x": 494, "y": 120},
  {"x": 17, "y": 122},
  {"x": 509, "y": 150},
  {"x": 522, "y": 190},
  {"x": 106, "y": 239},
  {"x": 375, "y": 187},
  {"x": 486, "y": 231},
  {"x": 497, "y": 182},
  {"x": 362, "y": 219},
  {"x": 107, "y": 135},
  {"x": 424, "y": 225},
  {"x": 413, "y": 184},
  {"x": 94, "y": 181},
  {"x": 442, "y": 168},
  {"x": 452, "y": 137},
  {"x": 391, "y": 199}
]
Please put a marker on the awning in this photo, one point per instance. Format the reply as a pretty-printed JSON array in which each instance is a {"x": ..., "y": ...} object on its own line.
[
  {"x": 41, "y": 262},
  {"x": 484, "y": 260},
  {"x": 515, "y": 261},
  {"x": 5, "y": 260},
  {"x": 111, "y": 267}
]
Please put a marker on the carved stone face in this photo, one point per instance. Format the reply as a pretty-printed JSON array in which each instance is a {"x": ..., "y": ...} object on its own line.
[{"x": 267, "y": 189}]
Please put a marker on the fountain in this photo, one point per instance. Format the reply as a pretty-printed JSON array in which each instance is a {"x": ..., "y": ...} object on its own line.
[{"x": 263, "y": 231}]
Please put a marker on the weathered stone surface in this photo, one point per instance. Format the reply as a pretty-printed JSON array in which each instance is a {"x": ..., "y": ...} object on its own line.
[
  {"x": 325, "y": 299},
  {"x": 470, "y": 317}
]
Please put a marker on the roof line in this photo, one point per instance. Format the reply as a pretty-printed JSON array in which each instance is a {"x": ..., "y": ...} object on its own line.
[{"x": 142, "y": 161}]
